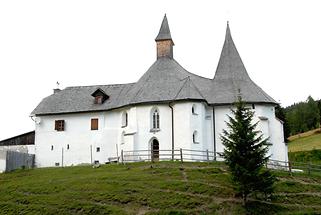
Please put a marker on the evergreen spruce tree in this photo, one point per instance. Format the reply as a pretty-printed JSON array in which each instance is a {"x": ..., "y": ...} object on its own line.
[{"x": 245, "y": 153}]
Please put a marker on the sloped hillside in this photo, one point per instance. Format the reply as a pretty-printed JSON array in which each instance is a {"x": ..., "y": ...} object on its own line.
[
  {"x": 145, "y": 188},
  {"x": 305, "y": 141}
]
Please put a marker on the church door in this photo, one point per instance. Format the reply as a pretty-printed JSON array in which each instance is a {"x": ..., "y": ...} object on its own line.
[{"x": 155, "y": 150}]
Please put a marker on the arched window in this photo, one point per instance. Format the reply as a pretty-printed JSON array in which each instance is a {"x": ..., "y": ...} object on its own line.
[
  {"x": 195, "y": 137},
  {"x": 124, "y": 119},
  {"x": 155, "y": 125}
]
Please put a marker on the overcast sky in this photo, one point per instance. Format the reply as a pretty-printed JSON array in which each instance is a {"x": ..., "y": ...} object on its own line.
[{"x": 107, "y": 42}]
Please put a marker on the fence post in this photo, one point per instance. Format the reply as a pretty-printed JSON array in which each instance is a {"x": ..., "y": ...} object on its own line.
[
  {"x": 122, "y": 156},
  {"x": 117, "y": 153},
  {"x": 62, "y": 157},
  {"x": 152, "y": 155},
  {"x": 91, "y": 154},
  {"x": 181, "y": 152},
  {"x": 290, "y": 166},
  {"x": 207, "y": 156}
]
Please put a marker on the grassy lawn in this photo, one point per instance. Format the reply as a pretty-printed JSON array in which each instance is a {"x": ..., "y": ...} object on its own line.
[
  {"x": 145, "y": 188},
  {"x": 305, "y": 134},
  {"x": 305, "y": 143}
]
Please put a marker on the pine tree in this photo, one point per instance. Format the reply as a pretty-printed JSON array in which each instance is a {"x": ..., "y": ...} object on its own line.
[{"x": 245, "y": 153}]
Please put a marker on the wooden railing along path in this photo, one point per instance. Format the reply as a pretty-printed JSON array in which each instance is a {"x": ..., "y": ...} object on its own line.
[{"x": 187, "y": 155}]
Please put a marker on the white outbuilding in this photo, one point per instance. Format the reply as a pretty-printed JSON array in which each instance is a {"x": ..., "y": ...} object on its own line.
[{"x": 168, "y": 108}]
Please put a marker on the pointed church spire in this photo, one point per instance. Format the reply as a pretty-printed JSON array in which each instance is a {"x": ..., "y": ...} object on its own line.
[
  {"x": 230, "y": 65},
  {"x": 164, "y": 40},
  {"x": 231, "y": 78},
  {"x": 164, "y": 32}
]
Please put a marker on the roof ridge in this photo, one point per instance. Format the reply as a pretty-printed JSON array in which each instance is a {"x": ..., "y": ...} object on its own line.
[
  {"x": 191, "y": 84},
  {"x": 197, "y": 89},
  {"x": 179, "y": 91},
  {"x": 99, "y": 85}
]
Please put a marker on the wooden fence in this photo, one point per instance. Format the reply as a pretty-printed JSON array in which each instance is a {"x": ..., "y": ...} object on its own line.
[
  {"x": 167, "y": 155},
  {"x": 186, "y": 155}
]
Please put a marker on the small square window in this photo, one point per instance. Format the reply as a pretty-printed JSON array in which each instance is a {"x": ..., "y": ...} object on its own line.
[
  {"x": 59, "y": 125},
  {"x": 98, "y": 149},
  {"x": 98, "y": 99},
  {"x": 94, "y": 124}
]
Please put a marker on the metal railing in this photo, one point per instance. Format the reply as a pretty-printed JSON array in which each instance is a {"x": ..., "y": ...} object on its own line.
[{"x": 186, "y": 155}]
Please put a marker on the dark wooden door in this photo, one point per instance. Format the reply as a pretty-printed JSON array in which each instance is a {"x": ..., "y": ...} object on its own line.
[{"x": 155, "y": 150}]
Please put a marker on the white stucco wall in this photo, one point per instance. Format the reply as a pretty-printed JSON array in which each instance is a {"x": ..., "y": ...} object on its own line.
[
  {"x": 83, "y": 142},
  {"x": 270, "y": 126}
]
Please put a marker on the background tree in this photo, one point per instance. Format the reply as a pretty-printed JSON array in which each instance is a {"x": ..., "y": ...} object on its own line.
[
  {"x": 303, "y": 116},
  {"x": 280, "y": 114},
  {"x": 245, "y": 153},
  {"x": 312, "y": 115}
]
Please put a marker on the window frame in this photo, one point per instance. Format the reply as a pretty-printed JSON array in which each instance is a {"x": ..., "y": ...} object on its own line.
[
  {"x": 99, "y": 99},
  {"x": 94, "y": 124},
  {"x": 60, "y": 125},
  {"x": 155, "y": 119}
]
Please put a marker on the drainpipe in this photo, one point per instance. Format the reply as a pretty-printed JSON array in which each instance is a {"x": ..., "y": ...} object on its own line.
[
  {"x": 214, "y": 135},
  {"x": 171, "y": 107}
]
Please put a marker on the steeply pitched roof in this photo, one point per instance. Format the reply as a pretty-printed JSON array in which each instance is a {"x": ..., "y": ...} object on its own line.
[
  {"x": 232, "y": 79},
  {"x": 165, "y": 81},
  {"x": 164, "y": 32}
]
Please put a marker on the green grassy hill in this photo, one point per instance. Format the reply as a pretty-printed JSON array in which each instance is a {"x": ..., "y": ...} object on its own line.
[
  {"x": 145, "y": 188},
  {"x": 306, "y": 141},
  {"x": 306, "y": 147}
]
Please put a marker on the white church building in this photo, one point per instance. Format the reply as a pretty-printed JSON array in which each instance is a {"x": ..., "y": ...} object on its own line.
[{"x": 168, "y": 108}]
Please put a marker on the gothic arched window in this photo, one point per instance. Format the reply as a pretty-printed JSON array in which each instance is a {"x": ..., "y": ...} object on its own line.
[{"x": 155, "y": 124}]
